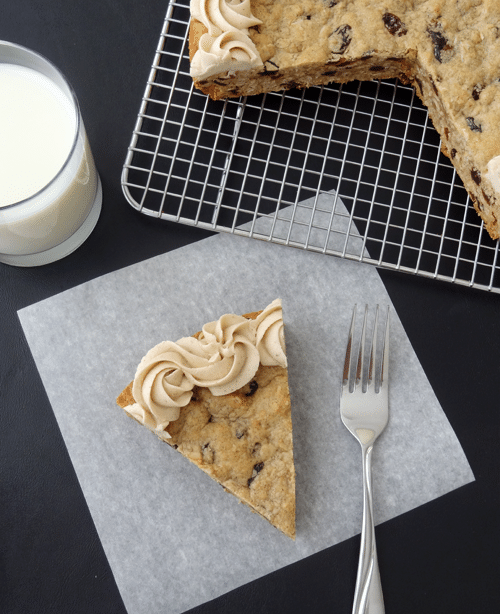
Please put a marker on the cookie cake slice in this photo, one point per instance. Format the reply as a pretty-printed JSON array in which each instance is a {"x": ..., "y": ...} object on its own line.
[
  {"x": 221, "y": 399},
  {"x": 449, "y": 51}
]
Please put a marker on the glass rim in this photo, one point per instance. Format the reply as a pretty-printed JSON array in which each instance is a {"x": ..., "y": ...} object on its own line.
[{"x": 29, "y": 52}]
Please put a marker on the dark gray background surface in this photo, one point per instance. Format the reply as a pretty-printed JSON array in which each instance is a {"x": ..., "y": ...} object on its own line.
[{"x": 440, "y": 558}]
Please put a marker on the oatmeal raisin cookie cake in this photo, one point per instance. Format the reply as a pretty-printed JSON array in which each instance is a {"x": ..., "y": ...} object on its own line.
[
  {"x": 449, "y": 50},
  {"x": 221, "y": 399}
]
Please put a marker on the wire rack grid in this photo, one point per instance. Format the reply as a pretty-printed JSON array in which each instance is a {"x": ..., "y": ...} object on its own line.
[{"x": 354, "y": 171}]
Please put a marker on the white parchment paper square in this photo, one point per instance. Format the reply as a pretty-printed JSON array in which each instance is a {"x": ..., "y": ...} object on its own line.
[{"x": 173, "y": 537}]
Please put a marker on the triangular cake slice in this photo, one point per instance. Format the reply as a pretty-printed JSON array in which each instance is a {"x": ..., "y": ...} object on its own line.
[{"x": 238, "y": 429}]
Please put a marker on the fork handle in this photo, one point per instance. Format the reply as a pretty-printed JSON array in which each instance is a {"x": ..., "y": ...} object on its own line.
[{"x": 368, "y": 598}]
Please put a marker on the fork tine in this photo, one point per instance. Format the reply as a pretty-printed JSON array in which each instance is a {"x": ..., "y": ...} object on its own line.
[
  {"x": 362, "y": 347},
  {"x": 384, "y": 374},
  {"x": 373, "y": 353},
  {"x": 347, "y": 361}
]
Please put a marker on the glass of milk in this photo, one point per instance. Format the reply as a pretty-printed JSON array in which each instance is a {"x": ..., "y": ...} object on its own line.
[{"x": 50, "y": 192}]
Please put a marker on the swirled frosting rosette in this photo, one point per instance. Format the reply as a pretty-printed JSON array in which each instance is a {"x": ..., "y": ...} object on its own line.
[
  {"x": 223, "y": 357},
  {"x": 226, "y": 46},
  {"x": 270, "y": 336}
]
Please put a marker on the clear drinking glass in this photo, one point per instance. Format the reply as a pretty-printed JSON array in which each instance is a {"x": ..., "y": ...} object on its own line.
[{"x": 50, "y": 191}]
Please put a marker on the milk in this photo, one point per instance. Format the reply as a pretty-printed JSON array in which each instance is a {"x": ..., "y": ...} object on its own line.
[
  {"x": 49, "y": 187},
  {"x": 37, "y": 128}
]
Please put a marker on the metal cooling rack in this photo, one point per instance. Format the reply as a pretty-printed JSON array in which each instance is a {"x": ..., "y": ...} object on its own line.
[{"x": 352, "y": 170}]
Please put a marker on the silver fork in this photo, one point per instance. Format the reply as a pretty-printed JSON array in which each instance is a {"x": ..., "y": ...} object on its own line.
[{"x": 364, "y": 409}]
